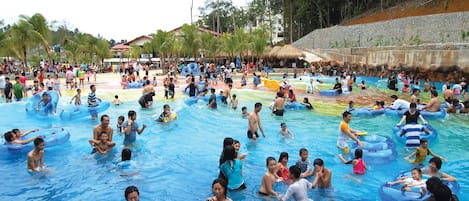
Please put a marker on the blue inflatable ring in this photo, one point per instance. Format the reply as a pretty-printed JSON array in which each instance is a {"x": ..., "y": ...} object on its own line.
[
  {"x": 377, "y": 149},
  {"x": 430, "y": 137},
  {"x": 76, "y": 112},
  {"x": 328, "y": 92},
  {"x": 366, "y": 112},
  {"x": 51, "y": 136}
]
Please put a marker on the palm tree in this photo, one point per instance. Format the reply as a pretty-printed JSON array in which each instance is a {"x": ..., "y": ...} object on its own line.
[
  {"x": 135, "y": 51},
  {"x": 229, "y": 44},
  {"x": 162, "y": 42},
  {"x": 243, "y": 41},
  {"x": 259, "y": 41},
  {"x": 209, "y": 44},
  {"x": 102, "y": 50},
  {"x": 39, "y": 24},
  {"x": 191, "y": 39}
]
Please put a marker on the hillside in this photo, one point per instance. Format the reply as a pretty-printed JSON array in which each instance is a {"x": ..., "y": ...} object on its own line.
[{"x": 412, "y": 8}]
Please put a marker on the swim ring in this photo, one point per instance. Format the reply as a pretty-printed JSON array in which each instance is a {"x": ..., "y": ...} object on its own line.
[
  {"x": 366, "y": 112},
  {"x": 328, "y": 92},
  {"x": 427, "y": 115},
  {"x": 77, "y": 112},
  {"x": 394, "y": 192},
  {"x": 377, "y": 149},
  {"x": 44, "y": 109},
  {"x": 295, "y": 106},
  {"x": 271, "y": 84},
  {"x": 134, "y": 85},
  {"x": 430, "y": 137},
  {"x": 51, "y": 136}
]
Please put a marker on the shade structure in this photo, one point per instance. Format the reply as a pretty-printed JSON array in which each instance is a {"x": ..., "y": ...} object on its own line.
[
  {"x": 273, "y": 51},
  {"x": 310, "y": 57},
  {"x": 289, "y": 52}
]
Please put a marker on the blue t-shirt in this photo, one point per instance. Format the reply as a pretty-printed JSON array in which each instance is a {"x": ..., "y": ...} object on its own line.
[
  {"x": 130, "y": 138},
  {"x": 232, "y": 170},
  {"x": 303, "y": 165}
]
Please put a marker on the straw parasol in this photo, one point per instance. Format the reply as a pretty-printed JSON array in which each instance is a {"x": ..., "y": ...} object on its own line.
[
  {"x": 273, "y": 51},
  {"x": 289, "y": 52}
]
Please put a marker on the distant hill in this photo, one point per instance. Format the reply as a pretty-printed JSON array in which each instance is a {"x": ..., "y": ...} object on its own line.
[{"x": 410, "y": 8}]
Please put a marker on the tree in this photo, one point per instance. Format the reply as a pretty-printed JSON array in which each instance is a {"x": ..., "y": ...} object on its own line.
[
  {"x": 190, "y": 39},
  {"x": 162, "y": 42},
  {"x": 209, "y": 44},
  {"x": 259, "y": 41},
  {"x": 229, "y": 44}
]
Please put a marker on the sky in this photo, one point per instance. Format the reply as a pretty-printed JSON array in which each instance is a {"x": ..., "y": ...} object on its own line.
[{"x": 115, "y": 19}]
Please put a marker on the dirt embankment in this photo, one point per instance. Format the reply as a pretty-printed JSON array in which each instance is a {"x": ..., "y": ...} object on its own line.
[{"x": 412, "y": 8}]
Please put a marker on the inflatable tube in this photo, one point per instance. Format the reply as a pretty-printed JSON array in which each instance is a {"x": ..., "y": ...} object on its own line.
[
  {"x": 366, "y": 112},
  {"x": 134, "y": 85},
  {"x": 434, "y": 115},
  {"x": 394, "y": 192},
  {"x": 328, "y": 92},
  {"x": 51, "y": 136},
  {"x": 430, "y": 137},
  {"x": 44, "y": 109},
  {"x": 271, "y": 84},
  {"x": 377, "y": 150},
  {"x": 394, "y": 113},
  {"x": 77, "y": 112},
  {"x": 295, "y": 106}
]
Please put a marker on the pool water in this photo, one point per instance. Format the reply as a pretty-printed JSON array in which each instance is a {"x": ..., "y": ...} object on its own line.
[{"x": 178, "y": 161}]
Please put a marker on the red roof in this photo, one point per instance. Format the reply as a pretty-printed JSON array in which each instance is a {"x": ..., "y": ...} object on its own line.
[
  {"x": 138, "y": 38},
  {"x": 120, "y": 47}
]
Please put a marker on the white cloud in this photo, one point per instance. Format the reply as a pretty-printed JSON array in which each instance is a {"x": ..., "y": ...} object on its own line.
[{"x": 117, "y": 19}]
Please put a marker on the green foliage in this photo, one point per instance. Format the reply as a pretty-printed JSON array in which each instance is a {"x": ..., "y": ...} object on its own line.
[{"x": 464, "y": 35}]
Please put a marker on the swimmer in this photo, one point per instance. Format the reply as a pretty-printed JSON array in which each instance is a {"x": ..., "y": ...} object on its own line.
[
  {"x": 304, "y": 164},
  {"x": 306, "y": 103},
  {"x": 77, "y": 98},
  {"x": 415, "y": 181},
  {"x": 279, "y": 104},
  {"x": 254, "y": 122},
  {"x": 219, "y": 190},
  {"x": 226, "y": 94},
  {"x": 36, "y": 156},
  {"x": 103, "y": 127},
  {"x": 20, "y": 134},
  {"x": 421, "y": 153},
  {"x": 45, "y": 101},
  {"x": 103, "y": 145},
  {"x": 234, "y": 102},
  {"x": 131, "y": 193},
  {"x": 269, "y": 178},
  {"x": 350, "y": 106},
  {"x": 411, "y": 116},
  {"x": 237, "y": 146},
  {"x": 120, "y": 121},
  {"x": 166, "y": 116},
  {"x": 412, "y": 133},
  {"x": 345, "y": 133},
  {"x": 322, "y": 175},
  {"x": 12, "y": 138},
  {"x": 433, "y": 170},
  {"x": 131, "y": 129},
  {"x": 284, "y": 131},
  {"x": 283, "y": 168},
  {"x": 116, "y": 100},
  {"x": 231, "y": 167},
  {"x": 298, "y": 190},
  {"x": 244, "y": 111},
  {"x": 359, "y": 165},
  {"x": 212, "y": 101},
  {"x": 434, "y": 104}
]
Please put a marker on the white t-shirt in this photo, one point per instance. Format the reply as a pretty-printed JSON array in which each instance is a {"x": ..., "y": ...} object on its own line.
[
  {"x": 400, "y": 104},
  {"x": 414, "y": 183},
  {"x": 298, "y": 191},
  {"x": 2, "y": 82}
]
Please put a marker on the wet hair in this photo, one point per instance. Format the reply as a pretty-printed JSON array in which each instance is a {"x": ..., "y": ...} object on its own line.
[
  {"x": 295, "y": 171},
  {"x": 79, "y": 90},
  {"x": 234, "y": 95},
  {"x": 244, "y": 108},
  {"x": 227, "y": 141},
  {"x": 358, "y": 153},
  {"x": 418, "y": 170},
  {"x": 350, "y": 102},
  {"x": 165, "y": 106},
  {"x": 126, "y": 154},
  {"x": 129, "y": 190},
  {"x": 282, "y": 156},
  {"x": 212, "y": 90},
  {"x": 258, "y": 104},
  {"x": 282, "y": 124},
  {"x": 438, "y": 189},
  {"x": 116, "y": 96},
  {"x": 236, "y": 142},
  {"x": 131, "y": 113},
  {"x": 121, "y": 118},
  {"x": 436, "y": 161},
  {"x": 345, "y": 114},
  {"x": 223, "y": 183},
  {"x": 303, "y": 150},
  {"x": 280, "y": 94},
  {"x": 15, "y": 130},
  {"x": 228, "y": 154},
  {"x": 394, "y": 96},
  {"x": 8, "y": 136},
  {"x": 38, "y": 141},
  {"x": 423, "y": 140},
  {"x": 413, "y": 105},
  {"x": 268, "y": 159},
  {"x": 104, "y": 116},
  {"x": 434, "y": 93},
  {"x": 91, "y": 86},
  {"x": 318, "y": 161},
  {"x": 306, "y": 100}
]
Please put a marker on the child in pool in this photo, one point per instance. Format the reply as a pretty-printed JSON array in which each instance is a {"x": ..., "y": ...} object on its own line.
[
  {"x": 12, "y": 138},
  {"x": 350, "y": 106},
  {"x": 125, "y": 164},
  {"x": 77, "y": 98},
  {"x": 103, "y": 145},
  {"x": 298, "y": 190},
  {"x": 283, "y": 170},
  {"x": 244, "y": 111},
  {"x": 219, "y": 190},
  {"x": 234, "y": 102},
  {"x": 415, "y": 181},
  {"x": 359, "y": 165},
  {"x": 36, "y": 156},
  {"x": 268, "y": 180},
  {"x": 421, "y": 153},
  {"x": 284, "y": 131},
  {"x": 116, "y": 100},
  {"x": 120, "y": 121},
  {"x": 304, "y": 164}
]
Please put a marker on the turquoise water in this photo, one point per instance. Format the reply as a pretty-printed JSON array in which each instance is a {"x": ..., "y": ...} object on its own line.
[{"x": 178, "y": 161}]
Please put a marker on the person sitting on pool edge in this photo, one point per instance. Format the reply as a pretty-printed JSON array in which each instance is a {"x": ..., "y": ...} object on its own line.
[
  {"x": 411, "y": 116},
  {"x": 11, "y": 138},
  {"x": 36, "y": 156},
  {"x": 421, "y": 153},
  {"x": 166, "y": 116}
]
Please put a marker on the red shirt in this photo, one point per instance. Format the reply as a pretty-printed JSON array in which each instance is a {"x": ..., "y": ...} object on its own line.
[{"x": 41, "y": 77}]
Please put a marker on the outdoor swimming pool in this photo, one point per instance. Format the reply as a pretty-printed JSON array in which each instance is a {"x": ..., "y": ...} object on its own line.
[{"x": 178, "y": 161}]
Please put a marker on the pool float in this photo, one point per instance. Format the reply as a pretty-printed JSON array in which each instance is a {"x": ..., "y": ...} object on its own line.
[
  {"x": 394, "y": 113},
  {"x": 134, "y": 85},
  {"x": 430, "y": 137},
  {"x": 77, "y": 112},
  {"x": 441, "y": 114},
  {"x": 394, "y": 192},
  {"x": 361, "y": 133},
  {"x": 366, "y": 112},
  {"x": 51, "y": 136},
  {"x": 295, "y": 106},
  {"x": 328, "y": 92},
  {"x": 44, "y": 109},
  {"x": 191, "y": 100},
  {"x": 377, "y": 149},
  {"x": 271, "y": 84}
]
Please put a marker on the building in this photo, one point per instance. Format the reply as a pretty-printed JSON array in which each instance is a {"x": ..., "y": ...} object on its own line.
[{"x": 273, "y": 23}]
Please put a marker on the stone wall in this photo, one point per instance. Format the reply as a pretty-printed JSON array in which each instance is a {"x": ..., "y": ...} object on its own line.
[{"x": 438, "y": 28}]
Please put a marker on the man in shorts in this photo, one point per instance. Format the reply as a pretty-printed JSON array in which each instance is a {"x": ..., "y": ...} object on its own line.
[
  {"x": 8, "y": 90},
  {"x": 255, "y": 123},
  {"x": 345, "y": 133}
]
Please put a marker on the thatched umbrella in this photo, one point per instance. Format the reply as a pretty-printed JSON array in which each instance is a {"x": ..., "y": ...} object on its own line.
[
  {"x": 289, "y": 52},
  {"x": 273, "y": 51}
]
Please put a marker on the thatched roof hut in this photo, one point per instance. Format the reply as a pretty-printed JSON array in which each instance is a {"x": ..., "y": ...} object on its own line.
[
  {"x": 273, "y": 51},
  {"x": 289, "y": 52}
]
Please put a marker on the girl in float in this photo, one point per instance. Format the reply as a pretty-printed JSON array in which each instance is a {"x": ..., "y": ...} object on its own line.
[{"x": 412, "y": 183}]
